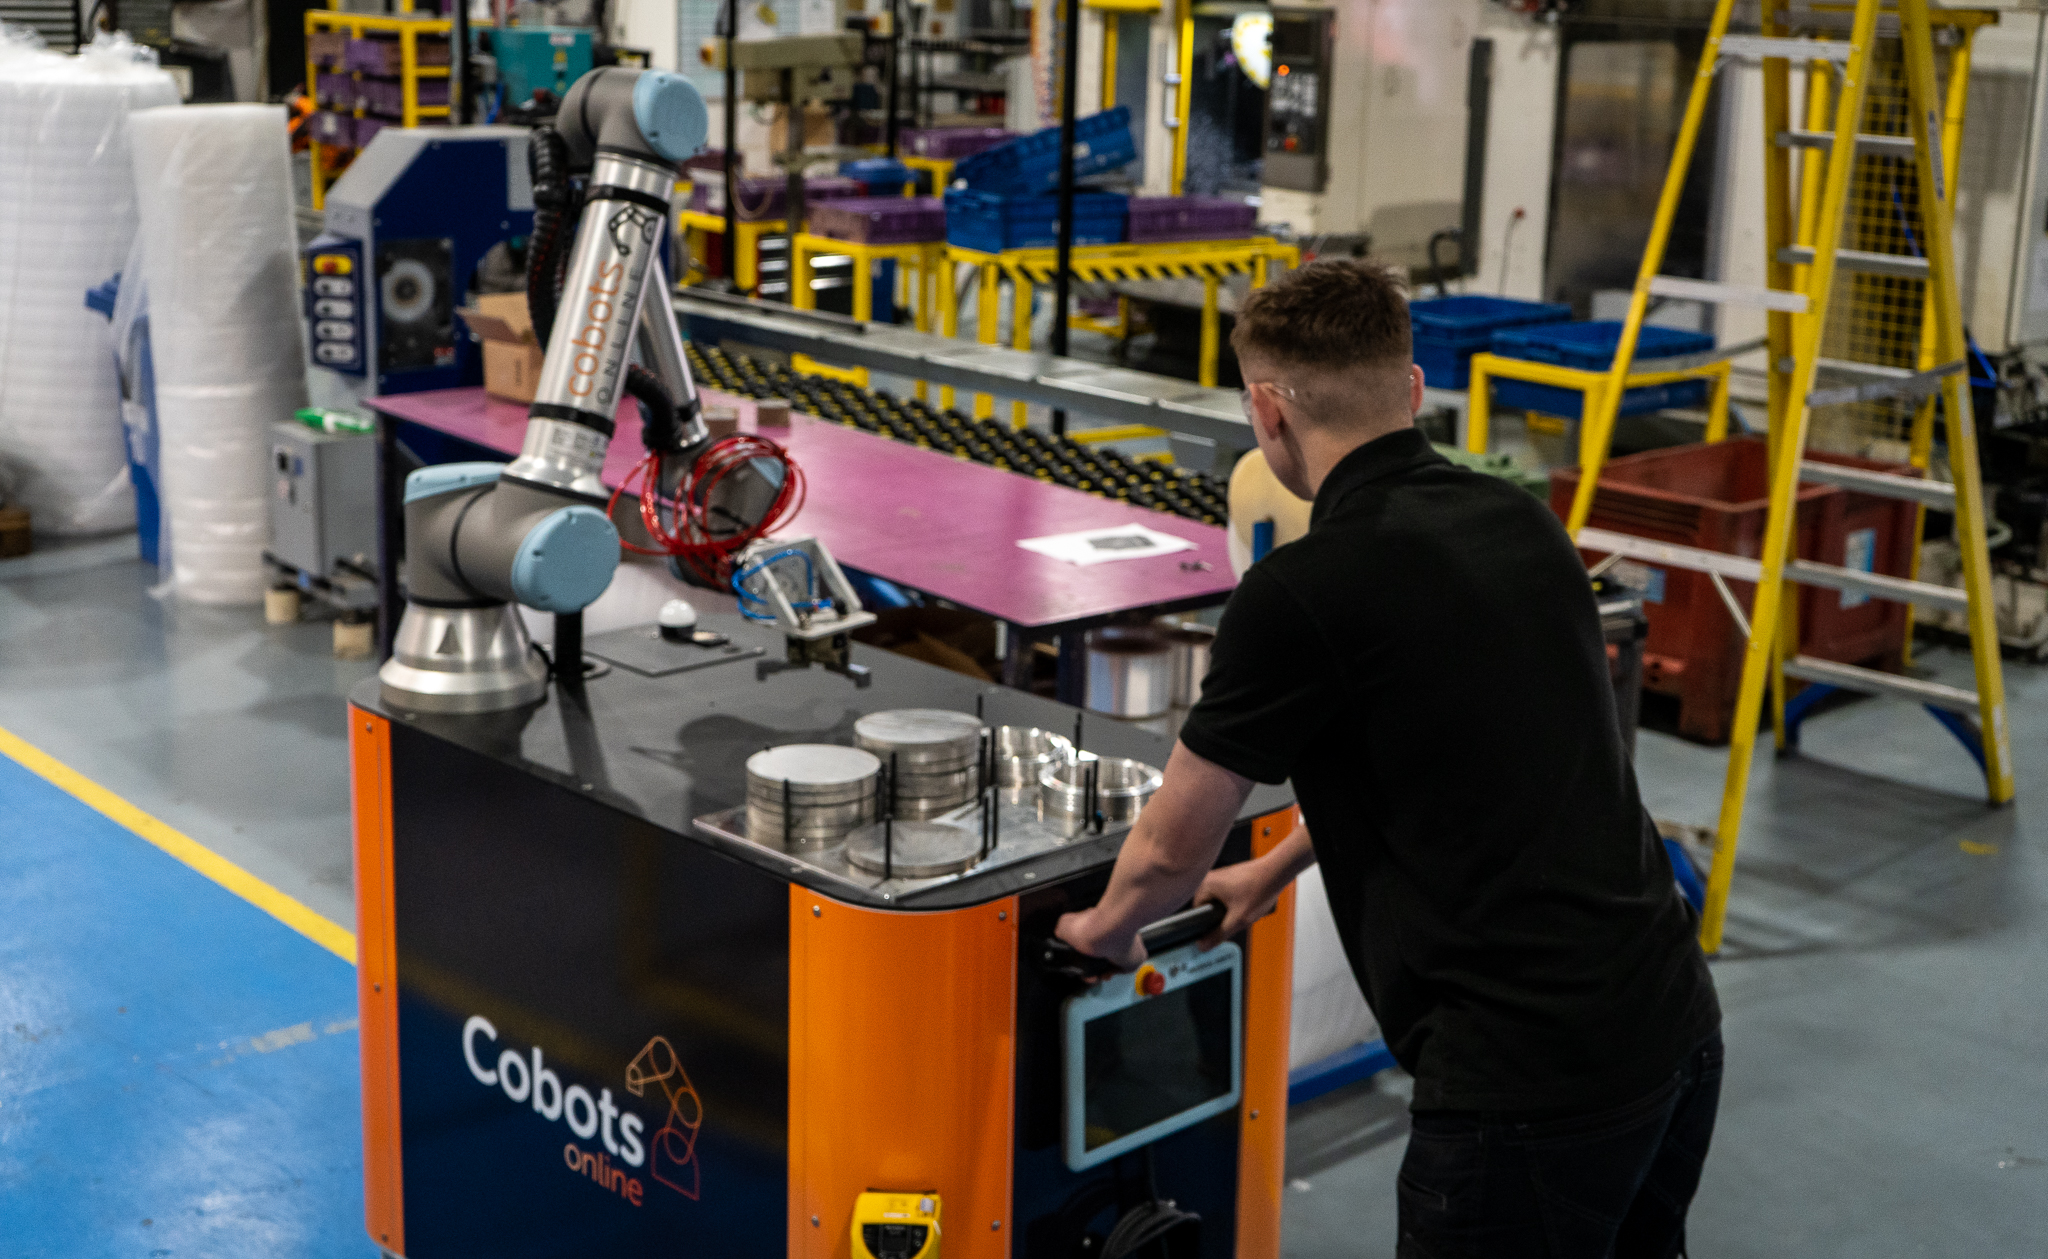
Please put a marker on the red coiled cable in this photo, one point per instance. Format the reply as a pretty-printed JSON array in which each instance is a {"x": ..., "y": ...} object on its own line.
[{"x": 682, "y": 526}]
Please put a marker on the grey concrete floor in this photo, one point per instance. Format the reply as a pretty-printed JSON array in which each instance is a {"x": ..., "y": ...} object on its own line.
[{"x": 1887, "y": 1087}]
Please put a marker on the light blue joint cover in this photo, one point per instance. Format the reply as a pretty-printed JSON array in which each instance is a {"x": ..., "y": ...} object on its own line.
[
  {"x": 566, "y": 561},
  {"x": 671, "y": 114},
  {"x": 445, "y": 478}
]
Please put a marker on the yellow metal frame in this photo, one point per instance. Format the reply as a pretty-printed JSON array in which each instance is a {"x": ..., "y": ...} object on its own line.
[
  {"x": 923, "y": 261},
  {"x": 941, "y": 171},
  {"x": 410, "y": 73},
  {"x": 698, "y": 225},
  {"x": 1794, "y": 346},
  {"x": 1592, "y": 384},
  {"x": 1183, "y": 93},
  {"x": 1206, "y": 260}
]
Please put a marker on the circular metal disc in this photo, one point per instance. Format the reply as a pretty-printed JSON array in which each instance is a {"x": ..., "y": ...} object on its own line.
[
  {"x": 919, "y": 729},
  {"x": 813, "y": 764},
  {"x": 917, "y": 850}
]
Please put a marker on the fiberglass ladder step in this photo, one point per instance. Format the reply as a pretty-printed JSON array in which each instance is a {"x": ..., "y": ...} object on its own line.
[
  {"x": 1805, "y": 572},
  {"x": 1867, "y": 144},
  {"x": 1719, "y": 294},
  {"x": 1793, "y": 47},
  {"x": 1903, "y": 265},
  {"x": 1936, "y": 494},
  {"x": 1856, "y": 678}
]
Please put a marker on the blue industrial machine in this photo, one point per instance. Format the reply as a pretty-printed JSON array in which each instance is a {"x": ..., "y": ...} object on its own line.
[
  {"x": 531, "y": 58},
  {"x": 407, "y": 226}
]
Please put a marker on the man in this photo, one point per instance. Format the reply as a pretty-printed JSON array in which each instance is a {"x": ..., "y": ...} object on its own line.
[{"x": 1427, "y": 666}]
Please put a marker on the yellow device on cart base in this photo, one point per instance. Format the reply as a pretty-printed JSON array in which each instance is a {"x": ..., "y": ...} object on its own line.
[{"x": 896, "y": 1226}]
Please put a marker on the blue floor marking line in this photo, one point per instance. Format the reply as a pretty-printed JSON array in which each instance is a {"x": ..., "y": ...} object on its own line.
[{"x": 178, "y": 1072}]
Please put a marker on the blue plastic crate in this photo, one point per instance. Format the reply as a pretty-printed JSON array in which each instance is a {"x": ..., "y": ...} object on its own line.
[
  {"x": 1590, "y": 347},
  {"x": 884, "y": 176},
  {"x": 992, "y": 222},
  {"x": 1102, "y": 142},
  {"x": 1449, "y": 330}
]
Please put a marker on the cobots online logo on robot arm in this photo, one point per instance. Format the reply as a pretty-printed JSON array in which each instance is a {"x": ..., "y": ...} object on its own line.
[{"x": 669, "y": 1153}]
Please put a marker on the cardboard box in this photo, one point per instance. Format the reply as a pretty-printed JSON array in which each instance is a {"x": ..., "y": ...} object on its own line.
[{"x": 512, "y": 355}]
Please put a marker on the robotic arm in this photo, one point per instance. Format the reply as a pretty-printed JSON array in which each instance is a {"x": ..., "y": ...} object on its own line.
[{"x": 483, "y": 536}]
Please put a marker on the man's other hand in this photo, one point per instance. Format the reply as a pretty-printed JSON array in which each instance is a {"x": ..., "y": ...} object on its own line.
[
  {"x": 1083, "y": 931},
  {"x": 1247, "y": 891}
]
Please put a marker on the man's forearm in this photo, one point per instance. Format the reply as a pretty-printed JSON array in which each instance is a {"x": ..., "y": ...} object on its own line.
[{"x": 1150, "y": 881}]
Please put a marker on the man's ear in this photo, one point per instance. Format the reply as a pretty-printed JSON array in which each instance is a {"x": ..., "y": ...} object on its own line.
[
  {"x": 1266, "y": 412},
  {"x": 1415, "y": 383}
]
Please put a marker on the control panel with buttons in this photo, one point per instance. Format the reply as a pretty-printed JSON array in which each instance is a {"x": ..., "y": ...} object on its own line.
[
  {"x": 334, "y": 304},
  {"x": 896, "y": 1226},
  {"x": 1297, "y": 103}
]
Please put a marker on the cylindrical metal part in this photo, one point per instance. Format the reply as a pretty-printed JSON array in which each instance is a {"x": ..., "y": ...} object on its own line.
[
  {"x": 1024, "y": 752},
  {"x": 617, "y": 245},
  {"x": 810, "y": 794},
  {"x": 915, "y": 850},
  {"x": 1189, "y": 642},
  {"x": 1130, "y": 671},
  {"x": 1122, "y": 786},
  {"x": 936, "y": 753}
]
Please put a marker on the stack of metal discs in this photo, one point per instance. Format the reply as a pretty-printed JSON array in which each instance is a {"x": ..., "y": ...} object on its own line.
[
  {"x": 913, "y": 850},
  {"x": 806, "y": 795},
  {"x": 936, "y": 755}
]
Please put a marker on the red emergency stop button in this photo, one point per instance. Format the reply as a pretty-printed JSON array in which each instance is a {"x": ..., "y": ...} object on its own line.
[
  {"x": 333, "y": 264},
  {"x": 1150, "y": 982}
]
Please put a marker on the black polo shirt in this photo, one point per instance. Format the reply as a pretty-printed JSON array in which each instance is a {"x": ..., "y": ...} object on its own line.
[{"x": 1427, "y": 665}]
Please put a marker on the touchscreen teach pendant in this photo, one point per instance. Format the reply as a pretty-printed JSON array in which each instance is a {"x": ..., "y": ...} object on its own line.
[{"x": 1152, "y": 1053}]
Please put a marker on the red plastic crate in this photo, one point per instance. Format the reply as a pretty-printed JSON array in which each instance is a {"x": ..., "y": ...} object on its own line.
[{"x": 1715, "y": 497}]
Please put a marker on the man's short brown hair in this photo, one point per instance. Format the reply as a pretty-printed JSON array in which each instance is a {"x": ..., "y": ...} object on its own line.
[{"x": 1330, "y": 316}]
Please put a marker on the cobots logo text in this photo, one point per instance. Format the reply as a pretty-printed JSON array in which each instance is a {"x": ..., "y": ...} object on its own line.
[{"x": 526, "y": 1078}]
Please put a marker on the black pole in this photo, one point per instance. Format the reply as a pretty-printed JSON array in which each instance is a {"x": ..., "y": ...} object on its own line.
[
  {"x": 730, "y": 247},
  {"x": 1062, "y": 275},
  {"x": 793, "y": 211},
  {"x": 895, "y": 71},
  {"x": 569, "y": 648}
]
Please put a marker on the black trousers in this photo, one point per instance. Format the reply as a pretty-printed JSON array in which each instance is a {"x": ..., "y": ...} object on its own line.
[{"x": 1611, "y": 1184}]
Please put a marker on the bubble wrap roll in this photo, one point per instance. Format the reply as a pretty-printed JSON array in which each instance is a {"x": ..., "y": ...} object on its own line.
[
  {"x": 67, "y": 218},
  {"x": 214, "y": 184}
]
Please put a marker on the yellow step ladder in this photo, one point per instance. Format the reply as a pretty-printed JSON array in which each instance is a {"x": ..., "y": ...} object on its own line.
[{"x": 1803, "y": 224}]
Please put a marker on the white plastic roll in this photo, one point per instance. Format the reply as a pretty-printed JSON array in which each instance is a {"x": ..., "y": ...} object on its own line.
[
  {"x": 214, "y": 183},
  {"x": 67, "y": 218}
]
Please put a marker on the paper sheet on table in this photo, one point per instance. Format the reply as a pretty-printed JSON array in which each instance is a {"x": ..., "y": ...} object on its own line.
[{"x": 1100, "y": 546}]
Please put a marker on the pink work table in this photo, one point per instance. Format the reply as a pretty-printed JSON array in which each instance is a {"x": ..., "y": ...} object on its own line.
[{"x": 944, "y": 526}]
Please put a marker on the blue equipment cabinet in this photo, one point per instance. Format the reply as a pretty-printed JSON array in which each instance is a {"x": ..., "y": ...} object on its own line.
[{"x": 406, "y": 227}]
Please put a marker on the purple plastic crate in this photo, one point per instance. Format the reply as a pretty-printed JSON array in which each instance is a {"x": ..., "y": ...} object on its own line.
[
  {"x": 767, "y": 197},
  {"x": 367, "y": 128},
  {"x": 1190, "y": 218},
  {"x": 953, "y": 143},
  {"x": 336, "y": 91},
  {"x": 389, "y": 97},
  {"x": 374, "y": 56},
  {"x": 881, "y": 220}
]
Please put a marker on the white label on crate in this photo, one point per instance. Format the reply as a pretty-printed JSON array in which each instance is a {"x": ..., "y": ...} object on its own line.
[{"x": 1860, "y": 553}]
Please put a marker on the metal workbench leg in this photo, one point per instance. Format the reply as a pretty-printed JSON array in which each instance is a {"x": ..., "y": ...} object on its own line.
[
  {"x": 801, "y": 294},
  {"x": 863, "y": 286},
  {"x": 1210, "y": 337},
  {"x": 1071, "y": 682},
  {"x": 1017, "y": 649},
  {"x": 1020, "y": 334},
  {"x": 989, "y": 330},
  {"x": 947, "y": 282}
]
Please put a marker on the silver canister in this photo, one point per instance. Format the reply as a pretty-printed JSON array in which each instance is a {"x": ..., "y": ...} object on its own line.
[
  {"x": 1024, "y": 752},
  {"x": 1189, "y": 642},
  {"x": 1115, "y": 786},
  {"x": 936, "y": 755},
  {"x": 807, "y": 795},
  {"x": 1130, "y": 671}
]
